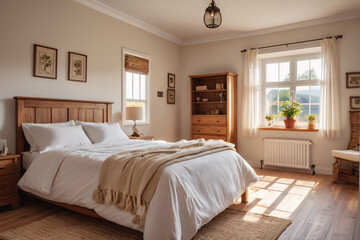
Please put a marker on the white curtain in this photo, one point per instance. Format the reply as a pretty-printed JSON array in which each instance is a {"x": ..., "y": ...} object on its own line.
[
  {"x": 330, "y": 102},
  {"x": 250, "y": 95}
]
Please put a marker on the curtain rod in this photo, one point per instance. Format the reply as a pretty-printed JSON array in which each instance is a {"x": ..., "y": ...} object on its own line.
[{"x": 287, "y": 44}]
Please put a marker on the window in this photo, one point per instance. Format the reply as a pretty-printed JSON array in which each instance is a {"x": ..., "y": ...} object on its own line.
[
  {"x": 288, "y": 79},
  {"x": 136, "y": 85}
]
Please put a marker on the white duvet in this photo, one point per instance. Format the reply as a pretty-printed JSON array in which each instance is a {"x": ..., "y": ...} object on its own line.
[{"x": 189, "y": 194}]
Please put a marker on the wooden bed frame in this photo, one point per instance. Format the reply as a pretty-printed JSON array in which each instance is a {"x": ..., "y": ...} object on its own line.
[{"x": 51, "y": 110}]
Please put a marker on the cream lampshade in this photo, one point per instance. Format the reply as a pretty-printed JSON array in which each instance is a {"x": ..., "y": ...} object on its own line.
[{"x": 134, "y": 113}]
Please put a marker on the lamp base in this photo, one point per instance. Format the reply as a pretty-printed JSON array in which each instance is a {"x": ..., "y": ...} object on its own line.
[{"x": 135, "y": 135}]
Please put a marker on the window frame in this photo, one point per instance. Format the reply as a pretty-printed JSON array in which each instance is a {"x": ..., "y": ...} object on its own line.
[
  {"x": 292, "y": 83},
  {"x": 147, "y": 90}
]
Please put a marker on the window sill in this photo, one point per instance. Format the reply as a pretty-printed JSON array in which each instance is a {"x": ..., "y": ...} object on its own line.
[{"x": 289, "y": 129}]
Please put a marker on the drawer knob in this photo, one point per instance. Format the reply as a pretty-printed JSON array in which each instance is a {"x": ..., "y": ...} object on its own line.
[
  {"x": 199, "y": 120},
  {"x": 198, "y": 130},
  {"x": 218, "y": 131},
  {"x": 217, "y": 121}
]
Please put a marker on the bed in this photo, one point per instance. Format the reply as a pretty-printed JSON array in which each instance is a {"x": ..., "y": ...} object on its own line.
[{"x": 189, "y": 194}]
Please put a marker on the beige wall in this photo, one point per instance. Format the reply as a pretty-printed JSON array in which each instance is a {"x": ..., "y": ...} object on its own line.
[
  {"x": 69, "y": 26},
  {"x": 225, "y": 56}
]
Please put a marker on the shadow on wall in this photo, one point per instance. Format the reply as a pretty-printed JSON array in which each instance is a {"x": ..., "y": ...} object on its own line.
[{"x": 7, "y": 122}]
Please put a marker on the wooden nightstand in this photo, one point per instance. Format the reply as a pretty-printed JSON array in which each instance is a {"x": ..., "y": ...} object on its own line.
[
  {"x": 8, "y": 180},
  {"x": 142, "y": 137}
]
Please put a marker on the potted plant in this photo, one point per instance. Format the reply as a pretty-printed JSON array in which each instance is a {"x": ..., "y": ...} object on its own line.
[
  {"x": 290, "y": 111},
  {"x": 269, "y": 119},
  {"x": 311, "y": 118}
]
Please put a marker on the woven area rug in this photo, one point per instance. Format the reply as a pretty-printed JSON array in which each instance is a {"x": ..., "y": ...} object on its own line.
[{"x": 230, "y": 224}]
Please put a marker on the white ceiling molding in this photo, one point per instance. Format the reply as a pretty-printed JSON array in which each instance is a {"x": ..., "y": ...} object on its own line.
[
  {"x": 103, "y": 8},
  {"x": 274, "y": 29}
]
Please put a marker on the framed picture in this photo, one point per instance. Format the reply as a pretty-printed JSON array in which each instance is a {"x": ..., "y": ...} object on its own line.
[
  {"x": 171, "y": 80},
  {"x": 77, "y": 70},
  {"x": 353, "y": 80},
  {"x": 355, "y": 102},
  {"x": 45, "y": 62},
  {"x": 171, "y": 96}
]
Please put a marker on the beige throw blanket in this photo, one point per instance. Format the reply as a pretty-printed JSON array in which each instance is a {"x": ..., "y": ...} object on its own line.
[{"x": 128, "y": 180}]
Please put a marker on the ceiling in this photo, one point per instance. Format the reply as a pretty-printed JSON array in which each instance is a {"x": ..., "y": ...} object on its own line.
[{"x": 181, "y": 21}]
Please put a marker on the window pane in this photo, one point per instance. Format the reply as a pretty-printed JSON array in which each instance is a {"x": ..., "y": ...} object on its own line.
[
  {"x": 315, "y": 66},
  {"x": 302, "y": 94},
  {"x": 284, "y": 71},
  {"x": 304, "y": 112},
  {"x": 284, "y": 95},
  {"x": 315, "y": 94},
  {"x": 303, "y": 70},
  {"x": 271, "y": 95},
  {"x": 143, "y": 87},
  {"x": 272, "y": 72},
  {"x": 136, "y": 90},
  {"x": 129, "y": 85},
  {"x": 315, "y": 109},
  {"x": 272, "y": 110}
]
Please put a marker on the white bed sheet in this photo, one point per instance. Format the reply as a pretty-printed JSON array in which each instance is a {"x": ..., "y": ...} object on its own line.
[
  {"x": 28, "y": 158},
  {"x": 189, "y": 194}
]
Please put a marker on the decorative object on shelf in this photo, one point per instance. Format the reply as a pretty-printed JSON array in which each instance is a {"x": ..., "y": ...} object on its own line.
[
  {"x": 134, "y": 113},
  {"x": 171, "y": 96},
  {"x": 212, "y": 16},
  {"x": 45, "y": 62},
  {"x": 171, "y": 80},
  {"x": 269, "y": 120},
  {"x": 355, "y": 102},
  {"x": 160, "y": 94},
  {"x": 222, "y": 97},
  {"x": 198, "y": 99},
  {"x": 205, "y": 100},
  {"x": 77, "y": 67},
  {"x": 218, "y": 86},
  {"x": 215, "y": 111},
  {"x": 311, "y": 118},
  {"x": 200, "y": 88},
  {"x": 353, "y": 80},
  {"x": 290, "y": 111},
  {"x": 3, "y": 147}
]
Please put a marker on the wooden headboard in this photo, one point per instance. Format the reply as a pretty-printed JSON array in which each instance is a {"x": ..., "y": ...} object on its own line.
[{"x": 51, "y": 110}]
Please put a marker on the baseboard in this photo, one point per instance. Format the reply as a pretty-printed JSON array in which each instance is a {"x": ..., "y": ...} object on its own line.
[{"x": 318, "y": 170}]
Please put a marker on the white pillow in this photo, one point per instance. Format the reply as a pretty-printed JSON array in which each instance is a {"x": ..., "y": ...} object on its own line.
[
  {"x": 47, "y": 137},
  {"x": 27, "y": 126},
  {"x": 103, "y": 132}
]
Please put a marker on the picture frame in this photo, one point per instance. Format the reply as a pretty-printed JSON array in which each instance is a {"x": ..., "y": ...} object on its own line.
[
  {"x": 77, "y": 67},
  {"x": 171, "y": 96},
  {"x": 353, "y": 80},
  {"x": 355, "y": 102},
  {"x": 171, "y": 80},
  {"x": 45, "y": 62}
]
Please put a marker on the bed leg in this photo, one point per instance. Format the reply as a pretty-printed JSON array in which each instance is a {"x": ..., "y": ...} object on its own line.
[{"x": 244, "y": 196}]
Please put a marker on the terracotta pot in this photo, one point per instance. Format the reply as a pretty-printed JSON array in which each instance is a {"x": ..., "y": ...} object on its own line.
[
  {"x": 289, "y": 123},
  {"x": 311, "y": 125}
]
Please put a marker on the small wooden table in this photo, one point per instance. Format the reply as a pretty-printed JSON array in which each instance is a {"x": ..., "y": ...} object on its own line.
[
  {"x": 142, "y": 137},
  {"x": 8, "y": 180}
]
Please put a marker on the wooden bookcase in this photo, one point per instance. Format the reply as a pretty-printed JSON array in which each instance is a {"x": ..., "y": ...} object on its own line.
[{"x": 206, "y": 125}]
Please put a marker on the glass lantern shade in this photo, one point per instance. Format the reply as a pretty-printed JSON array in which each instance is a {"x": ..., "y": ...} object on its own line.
[{"x": 212, "y": 16}]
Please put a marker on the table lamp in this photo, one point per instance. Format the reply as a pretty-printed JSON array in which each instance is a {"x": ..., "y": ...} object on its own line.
[{"x": 134, "y": 113}]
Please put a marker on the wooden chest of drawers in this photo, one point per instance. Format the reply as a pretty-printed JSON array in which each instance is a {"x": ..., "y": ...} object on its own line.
[
  {"x": 213, "y": 108},
  {"x": 8, "y": 180}
]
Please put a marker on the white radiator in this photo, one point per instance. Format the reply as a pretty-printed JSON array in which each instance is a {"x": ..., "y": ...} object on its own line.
[{"x": 294, "y": 153}]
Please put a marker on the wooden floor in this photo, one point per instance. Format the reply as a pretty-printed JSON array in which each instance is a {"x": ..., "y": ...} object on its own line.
[{"x": 318, "y": 208}]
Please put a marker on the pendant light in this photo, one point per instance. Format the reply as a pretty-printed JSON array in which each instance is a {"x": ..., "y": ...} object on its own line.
[{"x": 212, "y": 16}]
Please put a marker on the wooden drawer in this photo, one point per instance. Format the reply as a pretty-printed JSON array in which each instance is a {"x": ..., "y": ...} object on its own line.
[
  {"x": 7, "y": 167},
  {"x": 206, "y": 129},
  {"x": 6, "y": 186},
  {"x": 208, "y": 137},
  {"x": 210, "y": 119}
]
